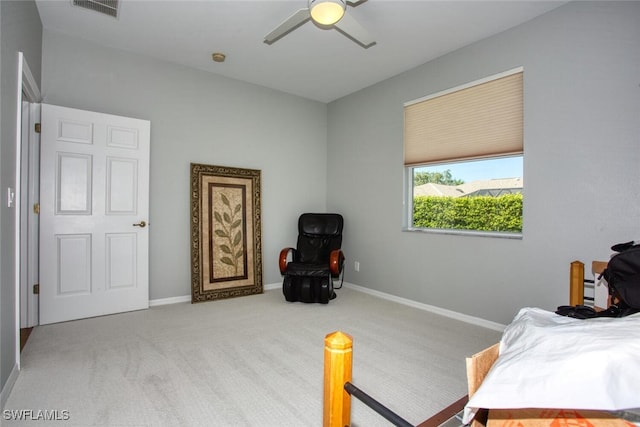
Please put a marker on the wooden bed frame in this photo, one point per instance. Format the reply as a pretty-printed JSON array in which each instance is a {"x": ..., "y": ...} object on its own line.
[{"x": 578, "y": 283}]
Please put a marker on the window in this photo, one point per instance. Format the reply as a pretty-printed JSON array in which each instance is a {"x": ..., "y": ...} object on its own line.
[{"x": 463, "y": 154}]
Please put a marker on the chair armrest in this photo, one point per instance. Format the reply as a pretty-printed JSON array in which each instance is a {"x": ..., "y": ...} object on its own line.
[
  {"x": 336, "y": 260},
  {"x": 283, "y": 259}
]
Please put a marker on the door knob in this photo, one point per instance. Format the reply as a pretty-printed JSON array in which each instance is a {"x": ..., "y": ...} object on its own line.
[{"x": 141, "y": 224}]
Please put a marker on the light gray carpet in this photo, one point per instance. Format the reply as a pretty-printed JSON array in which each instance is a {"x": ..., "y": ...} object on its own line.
[{"x": 248, "y": 361}]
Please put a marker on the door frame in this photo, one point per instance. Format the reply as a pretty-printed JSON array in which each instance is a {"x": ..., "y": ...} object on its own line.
[
  {"x": 29, "y": 225},
  {"x": 27, "y": 90}
]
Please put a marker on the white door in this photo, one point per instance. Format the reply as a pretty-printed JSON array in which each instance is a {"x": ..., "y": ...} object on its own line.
[{"x": 94, "y": 205}]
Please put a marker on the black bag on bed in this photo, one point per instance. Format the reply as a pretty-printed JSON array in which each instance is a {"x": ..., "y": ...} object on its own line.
[
  {"x": 623, "y": 275},
  {"x": 623, "y": 279}
]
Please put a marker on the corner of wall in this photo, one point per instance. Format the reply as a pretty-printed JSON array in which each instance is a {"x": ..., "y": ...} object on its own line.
[{"x": 8, "y": 385}]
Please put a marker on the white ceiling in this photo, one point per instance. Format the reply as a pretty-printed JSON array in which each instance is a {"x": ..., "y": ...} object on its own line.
[{"x": 315, "y": 63}]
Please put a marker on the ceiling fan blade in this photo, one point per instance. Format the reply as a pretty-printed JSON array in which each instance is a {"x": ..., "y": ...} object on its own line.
[
  {"x": 289, "y": 24},
  {"x": 352, "y": 29},
  {"x": 355, "y": 3}
]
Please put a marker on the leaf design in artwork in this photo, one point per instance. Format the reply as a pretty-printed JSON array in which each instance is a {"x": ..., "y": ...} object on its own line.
[{"x": 230, "y": 230}]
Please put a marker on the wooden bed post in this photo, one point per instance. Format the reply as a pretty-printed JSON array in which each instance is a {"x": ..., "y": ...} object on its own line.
[
  {"x": 576, "y": 284},
  {"x": 338, "y": 352}
]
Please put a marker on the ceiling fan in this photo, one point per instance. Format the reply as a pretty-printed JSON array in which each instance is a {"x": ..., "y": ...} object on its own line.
[{"x": 326, "y": 14}]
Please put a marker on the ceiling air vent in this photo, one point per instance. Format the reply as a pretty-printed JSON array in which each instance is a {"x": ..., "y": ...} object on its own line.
[{"x": 108, "y": 7}]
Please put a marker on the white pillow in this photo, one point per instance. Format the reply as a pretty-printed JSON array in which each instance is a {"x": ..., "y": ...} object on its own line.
[{"x": 552, "y": 361}]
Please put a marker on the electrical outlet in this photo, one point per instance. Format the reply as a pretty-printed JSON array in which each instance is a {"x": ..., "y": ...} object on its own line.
[{"x": 356, "y": 265}]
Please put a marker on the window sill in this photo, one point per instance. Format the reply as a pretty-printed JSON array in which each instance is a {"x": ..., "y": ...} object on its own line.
[{"x": 495, "y": 234}]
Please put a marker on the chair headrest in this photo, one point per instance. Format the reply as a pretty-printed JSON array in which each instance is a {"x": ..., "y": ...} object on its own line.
[{"x": 325, "y": 224}]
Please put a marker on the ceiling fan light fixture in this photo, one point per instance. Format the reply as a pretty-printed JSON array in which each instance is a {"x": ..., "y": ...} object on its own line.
[{"x": 327, "y": 12}]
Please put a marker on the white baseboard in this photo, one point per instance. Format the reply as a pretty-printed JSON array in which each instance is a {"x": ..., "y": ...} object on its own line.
[
  {"x": 431, "y": 308},
  {"x": 272, "y": 286},
  {"x": 172, "y": 300},
  {"x": 419, "y": 305},
  {"x": 8, "y": 386}
]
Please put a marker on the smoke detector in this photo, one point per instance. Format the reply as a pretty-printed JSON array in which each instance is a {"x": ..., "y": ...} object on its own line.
[{"x": 218, "y": 57}]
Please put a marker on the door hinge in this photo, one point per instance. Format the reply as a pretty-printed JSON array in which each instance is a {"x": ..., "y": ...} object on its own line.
[
  {"x": 36, "y": 208},
  {"x": 36, "y": 289},
  {"x": 37, "y": 128}
]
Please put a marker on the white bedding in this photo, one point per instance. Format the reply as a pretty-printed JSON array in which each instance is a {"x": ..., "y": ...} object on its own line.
[{"x": 552, "y": 361}]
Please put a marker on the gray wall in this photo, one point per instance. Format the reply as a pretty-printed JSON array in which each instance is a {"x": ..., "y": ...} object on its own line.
[
  {"x": 203, "y": 118},
  {"x": 581, "y": 166},
  {"x": 20, "y": 30}
]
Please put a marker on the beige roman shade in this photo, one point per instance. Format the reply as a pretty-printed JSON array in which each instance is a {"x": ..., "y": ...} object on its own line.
[{"x": 478, "y": 121}]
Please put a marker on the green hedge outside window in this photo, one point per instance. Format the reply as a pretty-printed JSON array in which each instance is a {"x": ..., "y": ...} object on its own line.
[{"x": 480, "y": 213}]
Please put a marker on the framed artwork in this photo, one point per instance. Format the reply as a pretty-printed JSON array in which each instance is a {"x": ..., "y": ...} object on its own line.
[{"x": 226, "y": 232}]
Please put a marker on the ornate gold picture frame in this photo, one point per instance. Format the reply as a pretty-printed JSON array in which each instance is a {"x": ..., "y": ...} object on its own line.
[{"x": 226, "y": 232}]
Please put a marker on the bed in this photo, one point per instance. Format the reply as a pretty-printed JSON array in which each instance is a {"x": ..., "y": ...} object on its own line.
[{"x": 545, "y": 364}]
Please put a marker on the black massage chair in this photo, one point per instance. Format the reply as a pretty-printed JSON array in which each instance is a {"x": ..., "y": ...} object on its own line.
[{"x": 316, "y": 260}]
